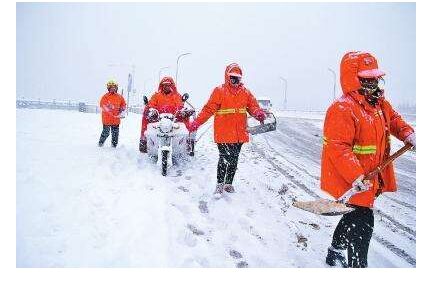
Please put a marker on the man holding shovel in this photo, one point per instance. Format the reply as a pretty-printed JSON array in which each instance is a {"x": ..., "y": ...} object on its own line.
[{"x": 357, "y": 131}]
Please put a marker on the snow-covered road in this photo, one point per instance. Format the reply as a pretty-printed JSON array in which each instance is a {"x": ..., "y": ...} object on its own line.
[{"x": 79, "y": 205}]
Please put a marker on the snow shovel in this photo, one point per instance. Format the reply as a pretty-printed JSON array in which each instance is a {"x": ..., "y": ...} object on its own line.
[
  {"x": 269, "y": 124},
  {"x": 338, "y": 207}
]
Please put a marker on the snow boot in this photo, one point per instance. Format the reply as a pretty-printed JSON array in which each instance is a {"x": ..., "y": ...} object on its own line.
[
  {"x": 229, "y": 188},
  {"x": 219, "y": 189},
  {"x": 336, "y": 257}
]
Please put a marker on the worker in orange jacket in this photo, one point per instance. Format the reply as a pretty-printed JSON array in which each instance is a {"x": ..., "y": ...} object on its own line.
[
  {"x": 165, "y": 100},
  {"x": 112, "y": 107},
  {"x": 357, "y": 130},
  {"x": 229, "y": 104}
]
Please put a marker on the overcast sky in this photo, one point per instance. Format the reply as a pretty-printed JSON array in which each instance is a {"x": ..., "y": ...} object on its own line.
[{"x": 64, "y": 50}]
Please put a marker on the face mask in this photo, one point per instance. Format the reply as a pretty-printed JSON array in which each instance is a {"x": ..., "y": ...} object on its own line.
[
  {"x": 373, "y": 98},
  {"x": 167, "y": 89},
  {"x": 235, "y": 80},
  {"x": 368, "y": 85},
  {"x": 372, "y": 89}
]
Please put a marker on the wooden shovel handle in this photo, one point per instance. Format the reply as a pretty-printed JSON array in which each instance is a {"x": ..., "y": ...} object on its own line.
[{"x": 389, "y": 160}]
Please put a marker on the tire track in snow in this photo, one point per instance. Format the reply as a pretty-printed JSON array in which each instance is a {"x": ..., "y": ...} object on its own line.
[
  {"x": 292, "y": 163},
  {"x": 399, "y": 252},
  {"x": 396, "y": 223},
  {"x": 284, "y": 172},
  {"x": 402, "y": 203}
]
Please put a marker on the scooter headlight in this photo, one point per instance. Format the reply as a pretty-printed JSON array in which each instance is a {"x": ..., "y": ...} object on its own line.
[{"x": 166, "y": 125}]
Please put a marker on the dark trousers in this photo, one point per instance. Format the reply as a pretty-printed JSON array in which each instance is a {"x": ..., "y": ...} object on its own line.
[
  {"x": 228, "y": 161},
  {"x": 106, "y": 132},
  {"x": 354, "y": 232}
]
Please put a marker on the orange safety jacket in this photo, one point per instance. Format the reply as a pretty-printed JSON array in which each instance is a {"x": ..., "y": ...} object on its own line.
[
  {"x": 229, "y": 105},
  {"x": 162, "y": 102},
  {"x": 112, "y": 105}
]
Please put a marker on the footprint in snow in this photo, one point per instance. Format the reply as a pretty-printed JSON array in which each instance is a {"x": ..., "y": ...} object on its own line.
[
  {"x": 223, "y": 196},
  {"x": 184, "y": 189},
  {"x": 250, "y": 213},
  {"x": 313, "y": 225},
  {"x": 195, "y": 230},
  {"x": 235, "y": 254},
  {"x": 242, "y": 264},
  {"x": 301, "y": 241},
  {"x": 203, "y": 207}
]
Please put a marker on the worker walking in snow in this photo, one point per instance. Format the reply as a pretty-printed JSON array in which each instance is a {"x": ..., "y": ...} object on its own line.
[
  {"x": 112, "y": 107},
  {"x": 229, "y": 103},
  {"x": 357, "y": 131}
]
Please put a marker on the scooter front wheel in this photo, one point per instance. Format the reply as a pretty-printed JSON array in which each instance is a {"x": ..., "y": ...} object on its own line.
[{"x": 164, "y": 156}]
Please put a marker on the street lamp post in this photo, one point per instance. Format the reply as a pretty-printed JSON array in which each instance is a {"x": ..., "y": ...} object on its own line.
[
  {"x": 286, "y": 87},
  {"x": 334, "y": 82},
  {"x": 177, "y": 64}
]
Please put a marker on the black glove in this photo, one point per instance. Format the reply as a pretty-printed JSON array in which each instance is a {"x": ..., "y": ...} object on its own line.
[{"x": 152, "y": 114}]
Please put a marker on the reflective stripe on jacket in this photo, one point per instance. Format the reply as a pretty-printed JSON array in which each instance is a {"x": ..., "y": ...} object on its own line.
[{"x": 230, "y": 111}]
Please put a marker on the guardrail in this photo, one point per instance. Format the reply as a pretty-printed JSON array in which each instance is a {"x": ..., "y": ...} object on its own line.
[{"x": 68, "y": 105}]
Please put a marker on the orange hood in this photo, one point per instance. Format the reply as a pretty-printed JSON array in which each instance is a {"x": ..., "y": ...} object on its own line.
[
  {"x": 170, "y": 81},
  {"x": 357, "y": 64}
]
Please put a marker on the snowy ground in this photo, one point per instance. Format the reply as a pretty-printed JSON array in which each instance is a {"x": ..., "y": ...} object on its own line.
[{"x": 79, "y": 205}]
